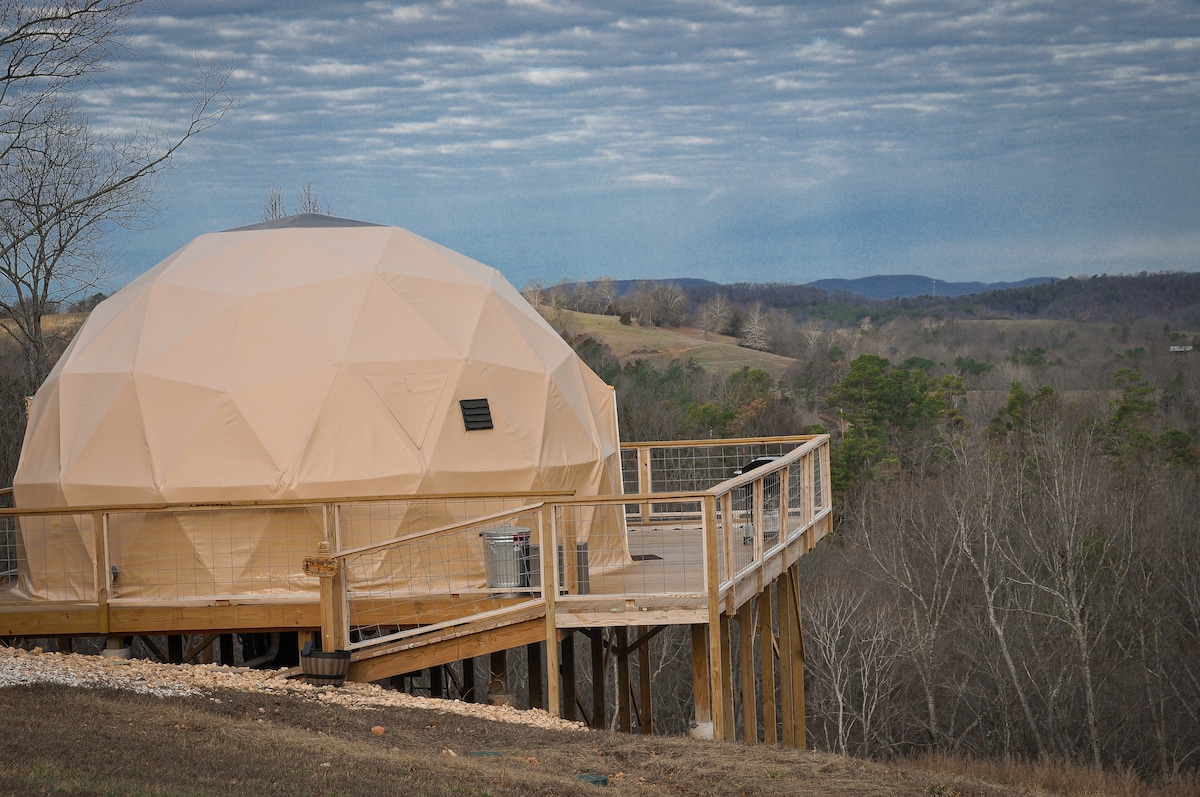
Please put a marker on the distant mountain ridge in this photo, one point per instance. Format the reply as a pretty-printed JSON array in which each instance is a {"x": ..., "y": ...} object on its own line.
[{"x": 900, "y": 286}]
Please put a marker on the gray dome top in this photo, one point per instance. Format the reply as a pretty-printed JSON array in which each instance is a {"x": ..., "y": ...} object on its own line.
[{"x": 304, "y": 220}]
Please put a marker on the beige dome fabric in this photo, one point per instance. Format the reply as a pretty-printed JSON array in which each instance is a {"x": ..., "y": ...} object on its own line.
[{"x": 314, "y": 358}]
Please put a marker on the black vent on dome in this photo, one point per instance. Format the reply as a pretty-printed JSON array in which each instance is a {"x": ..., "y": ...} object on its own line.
[{"x": 476, "y": 413}]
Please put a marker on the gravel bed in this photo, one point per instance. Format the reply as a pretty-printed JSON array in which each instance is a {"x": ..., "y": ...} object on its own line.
[{"x": 18, "y": 666}]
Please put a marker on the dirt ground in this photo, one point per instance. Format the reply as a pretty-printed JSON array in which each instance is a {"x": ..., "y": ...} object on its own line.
[{"x": 58, "y": 739}]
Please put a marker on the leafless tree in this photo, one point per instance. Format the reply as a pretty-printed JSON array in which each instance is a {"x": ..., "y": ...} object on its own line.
[
  {"x": 307, "y": 201},
  {"x": 813, "y": 331},
  {"x": 715, "y": 315},
  {"x": 274, "y": 208},
  {"x": 535, "y": 291},
  {"x": 1071, "y": 564},
  {"x": 606, "y": 295},
  {"x": 756, "y": 332},
  {"x": 61, "y": 181},
  {"x": 979, "y": 493}
]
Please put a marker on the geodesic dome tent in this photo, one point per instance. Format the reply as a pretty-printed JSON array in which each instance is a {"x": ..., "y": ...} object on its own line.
[{"x": 309, "y": 358}]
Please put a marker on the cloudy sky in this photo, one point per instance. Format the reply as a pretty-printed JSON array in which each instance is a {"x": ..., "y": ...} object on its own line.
[{"x": 724, "y": 139}]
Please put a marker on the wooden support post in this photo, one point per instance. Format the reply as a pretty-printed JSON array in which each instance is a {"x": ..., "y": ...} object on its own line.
[
  {"x": 787, "y": 706},
  {"x": 646, "y": 710},
  {"x": 550, "y": 586},
  {"x": 226, "y": 645},
  {"x": 598, "y": 686},
  {"x": 568, "y": 677},
  {"x": 208, "y": 653},
  {"x": 335, "y": 628},
  {"x": 712, "y": 583},
  {"x": 645, "y": 482},
  {"x": 437, "y": 686},
  {"x": 766, "y": 641},
  {"x": 497, "y": 688},
  {"x": 174, "y": 649},
  {"x": 745, "y": 618},
  {"x": 799, "y": 734},
  {"x": 622, "y": 642},
  {"x": 729, "y": 731},
  {"x": 533, "y": 661},
  {"x": 700, "y": 680},
  {"x": 469, "y": 692}
]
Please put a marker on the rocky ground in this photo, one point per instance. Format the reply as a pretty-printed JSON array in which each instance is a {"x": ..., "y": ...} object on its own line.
[{"x": 18, "y": 666}]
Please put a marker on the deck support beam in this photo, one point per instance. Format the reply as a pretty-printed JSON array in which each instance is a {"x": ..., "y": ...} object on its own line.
[
  {"x": 469, "y": 693},
  {"x": 599, "y": 720},
  {"x": 533, "y": 661},
  {"x": 766, "y": 641},
  {"x": 745, "y": 618},
  {"x": 799, "y": 734},
  {"x": 783, "y": 593},
  {"x": 728, "y": 728},
  {"x": 568, "y": 677},
  {"x": 646, "y": 712},
  {"x": 624, "y": 719},
  {"x": 700, "y": 681}
]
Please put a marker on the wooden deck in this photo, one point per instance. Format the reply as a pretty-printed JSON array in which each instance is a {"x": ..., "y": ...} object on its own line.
[{"x": 724, "y": 557}]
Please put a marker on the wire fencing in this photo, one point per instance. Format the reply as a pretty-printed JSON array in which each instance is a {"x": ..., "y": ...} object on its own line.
[{"x": 696, "y": 517}]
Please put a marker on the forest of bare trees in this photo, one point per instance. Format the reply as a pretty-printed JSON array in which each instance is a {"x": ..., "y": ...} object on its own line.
[{"x": 1015, "y": 571}]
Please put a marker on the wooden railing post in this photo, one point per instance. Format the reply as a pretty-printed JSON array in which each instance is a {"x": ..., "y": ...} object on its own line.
[
  {"x": 549, "y": 537},
  {"x": 645, "y": 479},
  {"x": 335, "y": 629},
  {"x": 103, "y": 576},
  {"x": 712, "y": 577}
]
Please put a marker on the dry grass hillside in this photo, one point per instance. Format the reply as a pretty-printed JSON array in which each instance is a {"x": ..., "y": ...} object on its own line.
[
  {"x": 719, "y": 354},
  {"x": 74, "y": 741}
]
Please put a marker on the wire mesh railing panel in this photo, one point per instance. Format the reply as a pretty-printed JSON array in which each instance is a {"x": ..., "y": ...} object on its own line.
[
  {"x": 795, "y": 498},
  {"x": 629, "y": 471},
  {"x": 431, "y": 579},
  {"x": 48, "y": 558},
  {"x": 362, "y": 523},
  {"x": 693, "y": 468},
  {"x": 820, "y": 493},
  {"x": 699, "y": 467},
  {"x": 219, "y": 553},
  {"x": 10, "y": 559},
  {"x": 743, "y": 526},
  {"x": 600, "y": 555}
]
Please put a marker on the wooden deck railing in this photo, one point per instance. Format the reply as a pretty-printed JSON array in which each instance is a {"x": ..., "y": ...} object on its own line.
[{"x": 690, "y": 541}]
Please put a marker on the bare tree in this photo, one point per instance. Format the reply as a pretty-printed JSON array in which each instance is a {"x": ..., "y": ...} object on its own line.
[
  {"x": 58, "y": 191},
  {"x": 978, "y": 495},
  {"x": 756, "y": 333},
  {"x": 715, "y": 315},
  {"x": 61, "y": 181},
  {"x": 274, "y": 208},
  {"x": 308, "y": 203},
  {"x": 606, "y": 295},
  {"x": 1072, "y": 565},
  {"x": 47, "y": 46},
  {"x": 813, "y": 332},
  {"x": 535, "y": 291}
]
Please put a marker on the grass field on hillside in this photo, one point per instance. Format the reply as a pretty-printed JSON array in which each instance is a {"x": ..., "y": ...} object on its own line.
[{"x": 660, "y": 345}]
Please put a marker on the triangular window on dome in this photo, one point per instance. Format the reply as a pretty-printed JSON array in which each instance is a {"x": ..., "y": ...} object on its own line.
[{"x": 476, "y": 413}]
